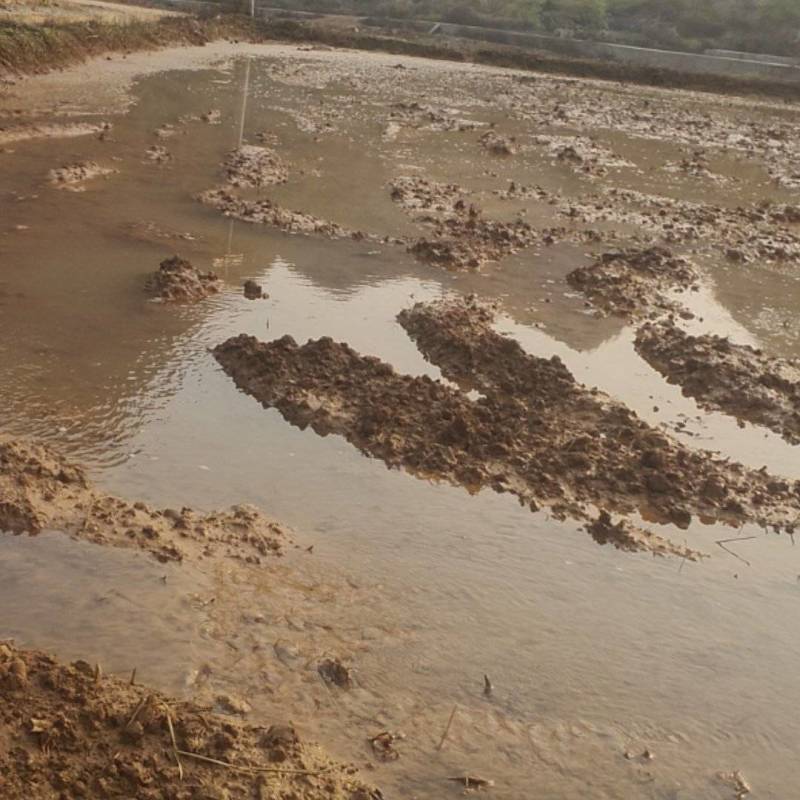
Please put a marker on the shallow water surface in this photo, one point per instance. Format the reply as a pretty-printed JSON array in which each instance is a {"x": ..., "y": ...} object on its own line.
[{"x": 592, "y": 653}]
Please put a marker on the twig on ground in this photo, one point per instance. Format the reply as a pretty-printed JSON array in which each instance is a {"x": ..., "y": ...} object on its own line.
[{"x": 447, "y": 729}]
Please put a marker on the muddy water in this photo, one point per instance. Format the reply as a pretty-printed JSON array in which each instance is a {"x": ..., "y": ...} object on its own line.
[{"x": 423, "y": 588}]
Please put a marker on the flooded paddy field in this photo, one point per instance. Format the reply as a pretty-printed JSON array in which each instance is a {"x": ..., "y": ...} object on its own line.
[{"x": 421, "y": 622}]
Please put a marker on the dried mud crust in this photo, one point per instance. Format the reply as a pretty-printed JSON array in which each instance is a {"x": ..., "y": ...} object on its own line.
[
  {"x": 254, "y": 166},
  {"x": 40, "y": 490},
  {"x": 265, "y": 212},
  {"x": 721, "y": 376},
  {"x": 461, "y": 237},
  {"x": 177, "y": 281},
  {"x": 634, "y": 283},
  {"x": 74, "y": 176},
  {"x": 69, "y": 732}
]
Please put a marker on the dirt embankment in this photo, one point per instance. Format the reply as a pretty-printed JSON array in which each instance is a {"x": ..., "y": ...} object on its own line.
[
  {"x": 634, "y": 283},
  {"x": 177, "y": 281},
  {"x": 26, "y": 48},
  {"x": 70, "y": 732},
  {"x": 736, "y": 379},
  {"x": 40, "y": 490},
  {"x": 534, "y": 432},
  {"x": 460, "y": 236}
]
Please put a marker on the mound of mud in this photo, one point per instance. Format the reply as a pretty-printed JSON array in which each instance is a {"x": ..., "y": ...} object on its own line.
[
  {"x": 417, "y": 194},
  {"x": 254, "y": 166},
  {"x": 73, "y": 176},
  {"x": 468, "y": 241},
  {"x": 634, "y": 283},
  {"x": 177, "y": 281},
  {"x": 73, "y": 733},
  {"x": 745, "y": 235},
  {"x": 497, "y": 144},
  {"x": 462, "y": 238},
  {"x": 424, "y": 117},
  {"x": 265, "y": 212},
  {"x": 735, "y": 379},
  {"x": 40, "y": 490},
  {"x": 582, "y": 154},
  {"x": 534, "y": 432}
]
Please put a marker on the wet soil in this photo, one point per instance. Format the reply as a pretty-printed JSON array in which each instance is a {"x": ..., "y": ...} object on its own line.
[
  {"x": 739, "y": 380},
  {"x": 254, "y": 166},
  {"x": 534, "y": 431},
  {"x": 591, "y": 655},
  {"x": 40, "y": 490},
  {"x": 74, "y": 176},
  {"x": 71, "y": 732},
  {"x": 177, "y": 281},
  {"x": 266, "y": 212},
  {"x": 635, "y": 283}
]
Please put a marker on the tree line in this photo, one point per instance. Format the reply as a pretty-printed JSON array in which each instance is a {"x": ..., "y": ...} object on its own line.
[{"x": 770, "y": 26}]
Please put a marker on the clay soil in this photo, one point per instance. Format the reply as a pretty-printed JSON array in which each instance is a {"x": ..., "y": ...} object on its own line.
[
  {"x": 634, "y": 283},
  {"x": 68, "y": 732},
  {"x": 177, "y": 281},
  {"x": 738, "y": 380},
  {"x": 534, "y": 431}
]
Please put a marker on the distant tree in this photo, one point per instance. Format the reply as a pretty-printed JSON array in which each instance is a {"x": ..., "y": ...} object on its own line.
[{"x": 588, "y": 14}]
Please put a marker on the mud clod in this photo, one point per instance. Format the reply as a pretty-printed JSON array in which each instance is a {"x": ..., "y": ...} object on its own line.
[
  {"x": 254, "y": 166},
  {"x": 265, "y": 212},
  {"x": 71, "y": 736},
  {"x": 74, "y": 176},
  {"x": 534, "y": 432},
  {"x": 177, "y": 281},
  {"x": 634, "y": 283},
  {"x": 738, "y": 380}
]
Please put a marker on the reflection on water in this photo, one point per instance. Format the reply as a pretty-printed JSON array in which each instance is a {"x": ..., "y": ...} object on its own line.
[{"x": 591, "y": 653}]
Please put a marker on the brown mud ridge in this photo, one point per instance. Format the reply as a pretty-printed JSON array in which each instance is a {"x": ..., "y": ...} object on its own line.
[
  {"x": 497, "y": 144},
  {"x": 20, "y": 133},
  {"x": 424, "y": 117},
  {"x": 745, "y": 235},
  {"x": 177, "y": 281},
  {"x": 462, "y": 238},
  {"x": 534, "y": 432},
  {"x": 70, "y": 732},
  {"x": 254, "y": 166},
  {"x": 736, "y": 379},
  {"x": 582, "y": 154},
  {"x": 40, "y": 490},
  {"x": 415, "y": 194},
  {"x": 74, "y": 176},
  {"x": 265, "y": 212},
  {"x": 634, "y": 283}
]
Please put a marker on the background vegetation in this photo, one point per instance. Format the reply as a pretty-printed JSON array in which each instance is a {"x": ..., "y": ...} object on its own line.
[{"x": 769, "y": 26}]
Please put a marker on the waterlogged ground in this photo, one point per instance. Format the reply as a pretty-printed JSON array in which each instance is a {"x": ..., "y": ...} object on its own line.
[{"x": 596, "y": 657}]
